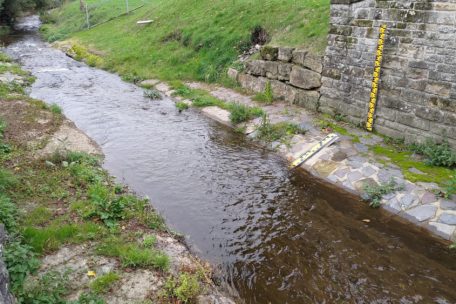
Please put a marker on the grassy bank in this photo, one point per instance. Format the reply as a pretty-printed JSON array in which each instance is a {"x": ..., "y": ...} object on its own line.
[
  {"x": 190, "y": 40},
  {"x": 75, "y": 235}
]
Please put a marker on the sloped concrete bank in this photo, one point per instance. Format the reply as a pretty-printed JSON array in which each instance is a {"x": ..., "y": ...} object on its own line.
[{"x": 349, "y": 163}]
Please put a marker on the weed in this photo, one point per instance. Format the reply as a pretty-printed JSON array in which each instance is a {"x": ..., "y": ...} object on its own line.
[
  {"x": 340, "y": 117},
  {"x": 21, "y": 262},
  {"x": 8, "y": 213},
  {"x": 108, "y": 207},
  {"x": 104, "y": 283},
  {"x": 55, "y": 108},
  {"x": 7, "y": 180},
  {"x": 48, "y": 288},
  {"x": 273, "y": 132},
  {"x": 374, "y": 194},
  {"x": 131, "y": 255},
  {"x": 149, "y": 241},
  {"x": 267, "y": 96},
  {"x": 185, "y": 288},
  {"x": 437, "y": 154},
  {"x": 453, "y": 246},
  {"x": 88, "y": 298},
  {"x": 181, "y": 106},
  {"x": 152, "y": 94},
  {"x": 201, "y": 102},
  {"x": 241, "y": 113}
]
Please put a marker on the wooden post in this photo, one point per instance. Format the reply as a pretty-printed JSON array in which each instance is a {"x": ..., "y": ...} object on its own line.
[
  {"x": 128, "y": 10},
  {"x": 87, "y": 16}
]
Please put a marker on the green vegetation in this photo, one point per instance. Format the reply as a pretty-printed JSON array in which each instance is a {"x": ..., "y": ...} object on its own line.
[
  {"x": 267, "y": 96},
  {"x": 10, "y": 9},
  {"x": 104, "y": 283},
  {"x": 437, "y": 154},
  {"x": 181, "y": 106},
  {"x": 201, "y": 98},
  {"x": 132, "y": 255},
  {"x": 405, "y": 160},
  {"x": 374, "y": 194},
  {"x": 279, "y": 131},
  {"x": 184, "y": 289},
  {"x": 194, "y": 40},
  {"x": 149, "y": 241},
  {"x": 55, "y": 108},
  {"x": 152, "y": 94},
  {"x": 450, "y": 188},
  {"x": 89, "y": 298},
  {"x": 330, "y": 126}
]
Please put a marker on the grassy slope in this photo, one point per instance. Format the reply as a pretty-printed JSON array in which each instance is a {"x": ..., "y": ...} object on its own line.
[{"x": 192, "y": 39}]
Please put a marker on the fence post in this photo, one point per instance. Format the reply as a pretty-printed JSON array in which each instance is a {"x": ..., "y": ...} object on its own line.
[
  {"x": 87, "y": 16},
  {"x": 128, "y": 10}
]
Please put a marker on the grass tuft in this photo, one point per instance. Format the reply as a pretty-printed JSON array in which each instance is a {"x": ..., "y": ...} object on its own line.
[
  {"x": 374, "y": 194},
  {"x": 104, "y": 283}
]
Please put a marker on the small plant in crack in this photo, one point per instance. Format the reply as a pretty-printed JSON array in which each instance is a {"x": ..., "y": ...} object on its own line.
[
  {"x": 152, "y": 94},
  {"x": 374, "y": 193}
]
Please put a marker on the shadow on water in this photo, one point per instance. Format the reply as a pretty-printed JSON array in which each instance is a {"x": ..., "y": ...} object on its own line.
[{"x": 276, "y": 236}]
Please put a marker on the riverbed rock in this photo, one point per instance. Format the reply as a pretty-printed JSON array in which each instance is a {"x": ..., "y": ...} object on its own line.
[{"x": 304, "y": 78}]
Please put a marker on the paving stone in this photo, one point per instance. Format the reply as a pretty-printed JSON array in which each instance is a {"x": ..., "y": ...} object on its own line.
[
  {"x": 368, "y": 171},
  {"x": 410, "y": 187},
  {"x": 389, "y": 196},
  {"x": 333, "y": 178},
  {"x": 349, "y": 151},
  {"x": 447, "y": 205},
  {"x": 428, "y": 198},
  {"x": 408, "y": 201},
  {"x": 348, "y": 185},
  {"x": 423, "y": 213},
  {"x": 355, "y": 164},
  {"x": 341, "y": 172},
  {"x": 361, "y": 148},
  {"x": 444, "y": 230},
  {"x": 448, "y": 218},
  {"x": 325, "y": 167},
  {"x": 354, "y": 176},
  {"x": 359, "y": 185},
  {"x": 392, "y": 205},
  {"x": 339, "y": 156}
]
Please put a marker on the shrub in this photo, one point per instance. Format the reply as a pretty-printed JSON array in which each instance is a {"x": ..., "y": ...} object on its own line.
[
  {"x": 437, "y": 154},
  {"x": 374, "y": 194}
]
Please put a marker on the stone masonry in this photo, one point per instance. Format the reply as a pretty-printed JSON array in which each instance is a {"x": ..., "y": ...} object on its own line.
[
  {"x": 417, "y": 93},
  {"x": 294, "y": 75}
]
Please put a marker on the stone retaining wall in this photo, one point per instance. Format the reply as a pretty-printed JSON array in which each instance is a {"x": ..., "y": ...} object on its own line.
[
  {"x": 294, "y": 75},
  {"x": 417, "y": 93}
]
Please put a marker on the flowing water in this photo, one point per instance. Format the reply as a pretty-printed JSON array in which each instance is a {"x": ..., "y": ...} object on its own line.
[{"x": 276, "y": 236}]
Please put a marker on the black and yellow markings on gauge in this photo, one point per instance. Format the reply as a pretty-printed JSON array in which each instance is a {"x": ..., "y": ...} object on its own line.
[
  {"x": 376, "y": 79},
  {"x": 315, "y": 149}
]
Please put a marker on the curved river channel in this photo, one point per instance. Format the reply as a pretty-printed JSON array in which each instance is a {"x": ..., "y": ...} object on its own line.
[{"x": 275, "y": 236}]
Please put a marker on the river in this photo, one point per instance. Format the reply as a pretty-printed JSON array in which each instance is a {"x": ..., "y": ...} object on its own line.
[{"x": 275, "y": 236}]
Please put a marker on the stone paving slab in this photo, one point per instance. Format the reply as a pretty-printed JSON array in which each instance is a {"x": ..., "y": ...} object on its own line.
[{"x": 345, "y": 163}]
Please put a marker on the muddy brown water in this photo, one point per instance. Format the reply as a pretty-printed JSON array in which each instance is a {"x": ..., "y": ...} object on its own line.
[{"x": 275, "y": 236}]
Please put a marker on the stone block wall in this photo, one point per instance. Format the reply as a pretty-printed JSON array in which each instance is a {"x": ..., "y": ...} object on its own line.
[
  {"x": 294, "y": 75},
  {"x": 417, "y": 92}
]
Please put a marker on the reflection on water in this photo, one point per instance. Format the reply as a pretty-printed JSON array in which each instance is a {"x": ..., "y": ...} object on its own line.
[{"x": 276, "y": 236}]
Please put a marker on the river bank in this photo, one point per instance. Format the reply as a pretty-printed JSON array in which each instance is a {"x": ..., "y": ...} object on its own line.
[
  {"x": 74, "y": 234},
  {"x": 274, "y": 235}
]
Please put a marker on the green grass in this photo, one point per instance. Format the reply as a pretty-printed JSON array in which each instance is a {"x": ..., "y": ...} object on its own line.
[
  {"x": 55, "y": 108},
  {"x": 52, "y": 237},
  {"x": 267, "y": 96},
  {"x": 190, "y": 39},
  {"x": 405, "y": 161},
  {"x": 201, "y": 98},
  {"x": 181, "y": 106},
  {"x": 132, "y": 255},
  {"x": 104, "y": 283},
  {"x": 279, "y": 131}
]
